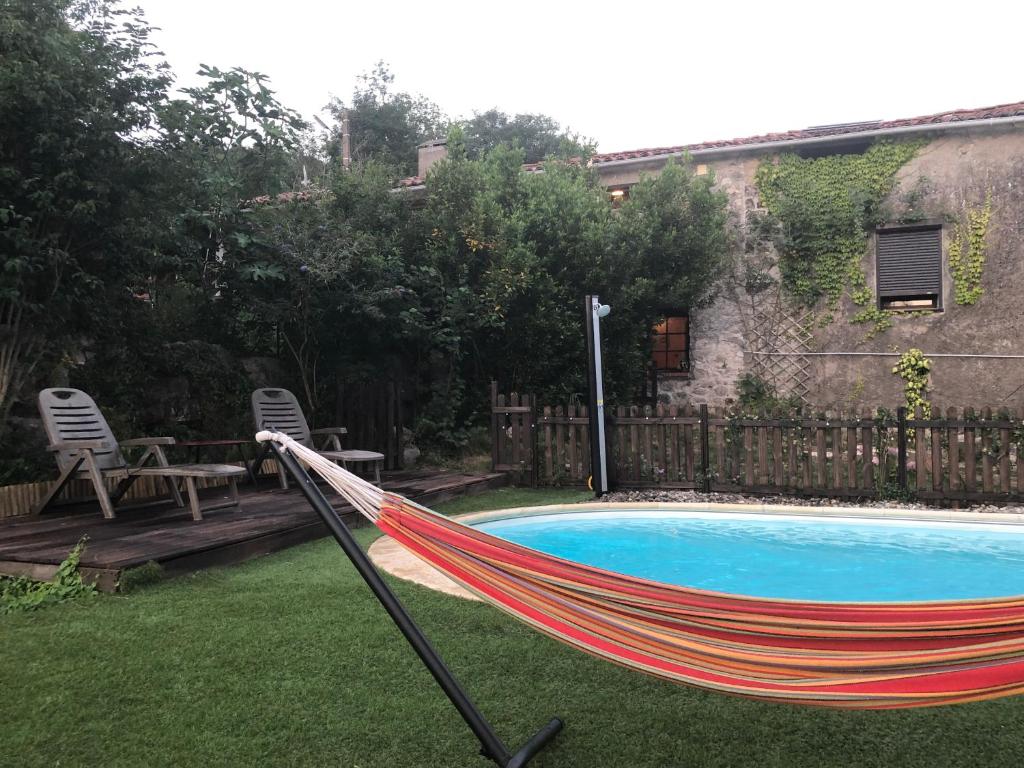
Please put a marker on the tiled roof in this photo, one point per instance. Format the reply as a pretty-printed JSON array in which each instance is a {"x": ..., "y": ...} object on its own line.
[{"x": 955, "y": 116}]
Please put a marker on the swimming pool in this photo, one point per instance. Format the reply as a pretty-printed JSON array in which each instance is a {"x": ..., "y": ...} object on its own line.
[{"x": 784, "y": 556}]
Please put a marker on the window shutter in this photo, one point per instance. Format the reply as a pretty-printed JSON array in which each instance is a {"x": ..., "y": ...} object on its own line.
[{"x": 910, "y": 262}]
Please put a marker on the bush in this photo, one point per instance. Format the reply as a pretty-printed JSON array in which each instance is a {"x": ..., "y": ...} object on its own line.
[
  {"x": 23, "y": 594},
  {"x": 757, "y": 395}
]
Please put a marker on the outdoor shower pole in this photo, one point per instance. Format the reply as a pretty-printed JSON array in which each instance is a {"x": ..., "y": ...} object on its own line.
[
  {"x": 593, "y": 311},
  {"x": 491, "y": 745}
]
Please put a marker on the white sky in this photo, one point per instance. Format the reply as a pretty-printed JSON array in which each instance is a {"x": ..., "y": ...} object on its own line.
[{"x": 630, "y": 74}]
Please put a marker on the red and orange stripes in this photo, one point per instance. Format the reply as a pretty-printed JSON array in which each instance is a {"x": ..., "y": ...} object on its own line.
[{"x": 852, "y": 655}]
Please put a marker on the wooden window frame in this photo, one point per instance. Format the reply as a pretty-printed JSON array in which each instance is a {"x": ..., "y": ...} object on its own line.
[{"x": 685, "y": 372}]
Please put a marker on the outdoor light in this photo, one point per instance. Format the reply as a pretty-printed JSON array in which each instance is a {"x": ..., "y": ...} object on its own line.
[
  {"x": 618, "y": 193},
  {"x": 603, "y": 310}
]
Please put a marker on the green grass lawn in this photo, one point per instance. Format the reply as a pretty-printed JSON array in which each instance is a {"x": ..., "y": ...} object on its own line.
[{"x": 290, "y": 661}]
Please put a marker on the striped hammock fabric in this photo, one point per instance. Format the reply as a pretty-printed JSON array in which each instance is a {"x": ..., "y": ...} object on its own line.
[{"x": 843, "y": 655}]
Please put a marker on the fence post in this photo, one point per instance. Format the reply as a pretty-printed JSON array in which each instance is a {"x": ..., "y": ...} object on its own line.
[
  {"x": 705, "y": 450},
  {"x": 494, "y": 425},
  {"x": 534, "y": 458},
  {"x": 901, "y": 447}
]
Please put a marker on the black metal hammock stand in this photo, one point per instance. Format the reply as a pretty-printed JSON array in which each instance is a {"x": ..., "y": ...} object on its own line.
[{"x": 491, "y": 745}]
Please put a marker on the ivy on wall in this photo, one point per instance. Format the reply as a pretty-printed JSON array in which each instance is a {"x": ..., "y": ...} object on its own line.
[
  {"x": 967, "y": 253},
  {"x": 827, "y": 207},
  {"x": 913, "y": 367},
  {"x": 880, "y": 319}
]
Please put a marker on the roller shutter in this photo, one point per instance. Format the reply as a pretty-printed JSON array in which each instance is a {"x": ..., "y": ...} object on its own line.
[{"x": 910, "y": 262}]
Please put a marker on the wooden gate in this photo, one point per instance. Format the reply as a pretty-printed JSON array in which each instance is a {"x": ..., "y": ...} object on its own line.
[{"x": 513, "y": 435}]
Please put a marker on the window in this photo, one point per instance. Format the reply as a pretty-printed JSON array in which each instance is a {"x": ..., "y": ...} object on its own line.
[
  {"x": 671, "y": 347},
  {"x": 618, "y": 195},
  {"x": 909, "y": 262}
]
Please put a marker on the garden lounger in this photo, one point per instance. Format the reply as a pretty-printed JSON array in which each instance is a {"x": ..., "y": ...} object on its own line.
[
  {"x": 277, "y": 409},
  {"x": 86, "y": 448}
]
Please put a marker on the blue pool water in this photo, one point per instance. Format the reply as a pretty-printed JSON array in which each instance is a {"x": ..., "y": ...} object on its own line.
[{"x": 834, "y": 559}]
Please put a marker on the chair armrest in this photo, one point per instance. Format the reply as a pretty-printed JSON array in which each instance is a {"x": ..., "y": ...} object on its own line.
[
  {"x": 135, "y": 442},
  {"x": 78, "y": 445},
  {"x": 330, "y": 431}
]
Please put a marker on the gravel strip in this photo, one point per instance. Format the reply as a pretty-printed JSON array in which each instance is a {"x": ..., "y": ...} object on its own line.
[{"x": 695, "y": 497}]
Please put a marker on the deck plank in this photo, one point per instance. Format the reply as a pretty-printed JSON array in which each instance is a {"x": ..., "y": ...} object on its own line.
[{"x": 268, "y": 519}]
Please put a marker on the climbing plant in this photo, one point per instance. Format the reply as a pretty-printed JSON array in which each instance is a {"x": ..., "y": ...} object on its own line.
[
  {"x": 827, "y": 207},
  {"x": 967, "y": 253},
  {"x": 913, "y": 367},
  {"x": 880, "y": 319}
]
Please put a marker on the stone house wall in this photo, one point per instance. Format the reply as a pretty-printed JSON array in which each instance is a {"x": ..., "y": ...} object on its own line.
[{"x": 955, "y": 170}]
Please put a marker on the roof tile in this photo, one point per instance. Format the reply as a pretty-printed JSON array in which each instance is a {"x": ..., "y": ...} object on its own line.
[{"x": 954, "y": 116}]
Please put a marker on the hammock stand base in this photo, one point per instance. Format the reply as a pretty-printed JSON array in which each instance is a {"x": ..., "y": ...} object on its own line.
[{"x": 491, "y": 745}]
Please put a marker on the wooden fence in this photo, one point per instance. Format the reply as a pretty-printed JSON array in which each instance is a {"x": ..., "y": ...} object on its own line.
[
  {"x": 372, "y": 414},
  {"x": 950, "y": 456}
]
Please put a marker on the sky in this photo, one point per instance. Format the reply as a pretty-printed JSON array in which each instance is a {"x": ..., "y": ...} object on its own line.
[{"x": 628, "y": 74}]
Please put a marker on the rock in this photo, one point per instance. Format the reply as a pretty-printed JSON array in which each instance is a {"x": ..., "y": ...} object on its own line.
[{"x": 696, "y": 497}]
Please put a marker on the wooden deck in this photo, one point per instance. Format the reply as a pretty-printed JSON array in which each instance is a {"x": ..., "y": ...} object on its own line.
[{"x": 267, "y": 520}]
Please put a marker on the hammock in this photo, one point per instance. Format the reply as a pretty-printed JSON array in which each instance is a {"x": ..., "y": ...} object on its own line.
[{"x": 842, "y": 655}]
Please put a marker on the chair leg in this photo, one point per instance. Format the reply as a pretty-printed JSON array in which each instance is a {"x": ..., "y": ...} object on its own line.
[
  {"x": 101, "y": 488},
  {"x": 193, "y": 498},
  {"x": 248, "y": 464},
  {"x": 58, "y": 486},
  {"x": 172, "y": 483},
  {"x": 172, "y": 488},
  {"x": 257, "y": 463},
  {"x": 122, "y": 488}
]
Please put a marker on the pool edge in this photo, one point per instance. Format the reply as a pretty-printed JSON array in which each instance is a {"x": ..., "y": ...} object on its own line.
[
  {"x": 924, "y": 515},
  {"x": 392, "y": 558}
]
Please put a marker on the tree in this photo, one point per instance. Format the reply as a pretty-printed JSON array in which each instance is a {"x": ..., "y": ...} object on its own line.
[
  {"x": 143, "y": 234},
  {"x": 538, "y": 136},
  {"x": 230, "y": 141},
  {"x": 386, "y": 126},
  {"x": 337, "y": 287},
  {"x": 509, "y": 258},
  {"x": 671, "y": 237},
  {"x": 80, "y": 92}
]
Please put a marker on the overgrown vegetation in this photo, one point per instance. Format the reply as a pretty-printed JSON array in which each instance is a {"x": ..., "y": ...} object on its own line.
[
  {"x": 913, "y": 367},
  {"x": 967, "y": 252},
  {"x": 827, "y": 206},
  {"x": 148, "y": 250},
  {"x": 755, "y": 395},
  {"x": 20, "y": 594}
]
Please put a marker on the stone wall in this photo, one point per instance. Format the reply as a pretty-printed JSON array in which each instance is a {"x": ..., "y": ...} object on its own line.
[
  {"x": 716, "y": 358},
  {"x": 947, "y": 176},
  {"x": 953, "y": 171}
]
